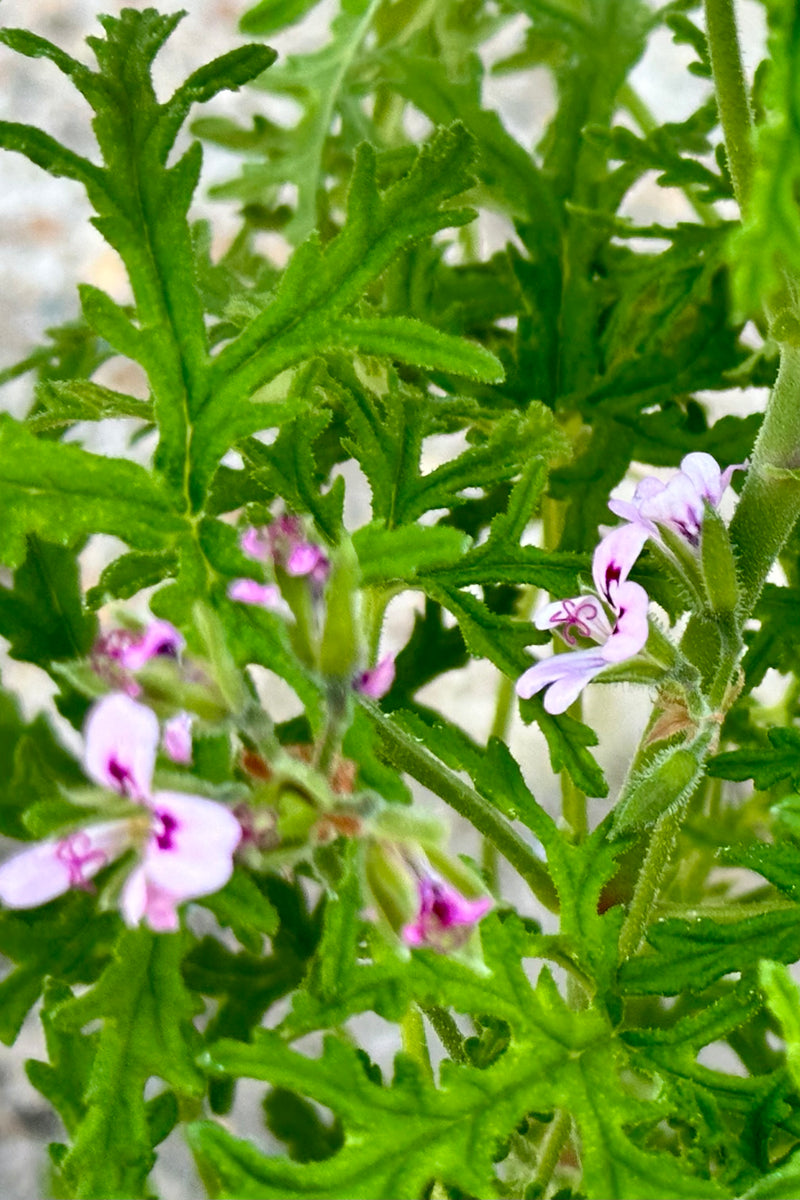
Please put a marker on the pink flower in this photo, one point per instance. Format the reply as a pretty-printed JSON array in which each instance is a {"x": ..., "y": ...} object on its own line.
[
  {"x": 616, "y": 619},
  {"x": 445, "y": 918},
  {"x": 678, "y": 504},
  {"x": 376, "y": 681},
  {"x": 121, "y": 739},
  {"x": 284, "y": 542},
  {"x": 185, "y": 843},
  {"x": 250, "y": 591},
  {"x": 187, "y": 852},
  {"x": 132, "y": 650},
  {"x": 177, "y": 739}
]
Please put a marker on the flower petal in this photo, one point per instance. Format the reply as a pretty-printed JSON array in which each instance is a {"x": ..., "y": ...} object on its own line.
[
  {"x": 194, "y": 856},
  {"x": 565, "y": 676},
  {"x": 177, "y": 739},
  {"x": 614, "y": 558},
  {"x": 121, "y": 740},
  {"x": 48, "y": 869},
  {"x": 142, "y": 899},
  {"x": 160, "y": 637},
  {"x": 250, "y": 591},
  {"x": 377, "y": 681},
  {"x": 631, "y": 630}
]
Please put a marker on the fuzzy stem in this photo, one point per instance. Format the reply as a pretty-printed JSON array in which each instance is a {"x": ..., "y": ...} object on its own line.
[
  {"x": 447, "y": 1031},
  {"x": 732, "y": 101},
  {"x": 407, "y": 755},
  {"x": 412, "y": 1029},
  {"x": 770, "y": 502},
  {"x": 550, "y": 1150},
  {"x": 662, "y": 843}
]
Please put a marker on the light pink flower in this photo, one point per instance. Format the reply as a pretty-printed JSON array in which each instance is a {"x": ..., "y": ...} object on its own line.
[
  {"x": 121, "y": 739},
  {"x": 616, "y": 619},
  {"x": 678, "y": 504},
  {"x": 250, "y": 591},
  {"x": 177, "y": 738},
  {"x": 185, "y": 843},
  {"x": 188, "y": 852},
  {"x": 445, "y": 918},
  {"x": 376, "y": 681}
]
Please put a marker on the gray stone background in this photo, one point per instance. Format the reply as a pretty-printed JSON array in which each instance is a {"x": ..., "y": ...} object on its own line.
[{"x": 47, "y": 246}]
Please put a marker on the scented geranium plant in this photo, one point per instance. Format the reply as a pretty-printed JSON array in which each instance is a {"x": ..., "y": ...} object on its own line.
[{"x": 197, "y": 884}]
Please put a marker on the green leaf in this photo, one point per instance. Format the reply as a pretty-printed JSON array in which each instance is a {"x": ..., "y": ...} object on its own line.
[
  {"x": 319, "y": 82},
  {"x": 398, "y": 1137},
  {"x": 337, "y": 984},
  {"x": 42, "y": 615},
  {"x": 64, "y": 940},
  {"x": 129, "y": 574},
  {"x": 64, "y": 403},
  {"x": 404, "y": 339},
  {"x": 268, "y": 16},
  {"x": 692, "y": 954},
  {"x": 319, "y": 285},
  {"x": 764, "y": 767},
  {"x": 242, "y": 906},
  {"x": 392, "y": 555},
  {"x": 784, "y": 1001},
  {"x": 777, "y": 641},
  {"x": 146, "y": 1013},
  {"x": 62, "y": 492},
  {"x": 567, "y": 740}
]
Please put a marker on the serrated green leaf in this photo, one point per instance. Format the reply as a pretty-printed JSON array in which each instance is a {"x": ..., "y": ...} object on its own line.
[
  {"x": 64, "y": 940},
  {"x": 62, "y": 492},
  {"x": 416, "y": 1130},
  {"x": 65, "y": 402},
  {"x": 692, "y": 954},
  {"x": 146, "y": 1013},
  {"x": 768, "y": 246},
  {"x": 129, "y": 574},
  {"x": 764, "y": 767},
  {"x": 405, "y": 339},
  {"x": 42, "y": 615},
  {"x": 391, "y": 555}
]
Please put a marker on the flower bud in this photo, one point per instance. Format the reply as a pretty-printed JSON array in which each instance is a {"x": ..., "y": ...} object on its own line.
[
  {"x": 670, "y": 778},
  {"x": 339, "y": 651}
]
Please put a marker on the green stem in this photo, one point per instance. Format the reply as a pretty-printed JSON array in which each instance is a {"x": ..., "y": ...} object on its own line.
[
  {"x": 770, "y": 502},
  {"x": 550, "y": 1150},
  {"x": 734, "y": 107},
  {"x": 447, "y": 1031},
  {"x": 412, "y": 1029},
  {"x": 662, "y": 843},
  {"x": 409, "y": 756}
]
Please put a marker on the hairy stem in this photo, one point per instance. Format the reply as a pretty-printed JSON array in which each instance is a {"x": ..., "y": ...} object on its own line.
[
  {"x": 729, "y": 84},
  {"x": 420, "y": 764},
  {"x": 550, "y": 1150},
  {"x": 770, "y": 502},
  {"x": 662, "y": 843},
  {"x": 447, "y": 1031},
  {"x": 415, "y": 1045}
]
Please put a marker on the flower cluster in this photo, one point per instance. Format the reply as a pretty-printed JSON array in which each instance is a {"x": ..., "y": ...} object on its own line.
[{"x": 615, "y": 618}]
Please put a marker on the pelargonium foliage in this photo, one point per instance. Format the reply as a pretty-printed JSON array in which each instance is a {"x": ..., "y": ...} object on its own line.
[{"x": 203, "y": 884}]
